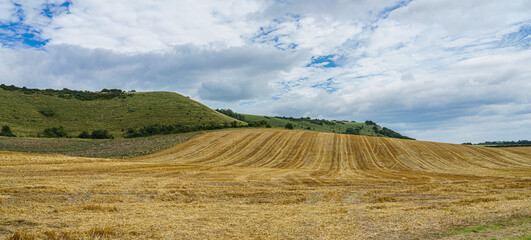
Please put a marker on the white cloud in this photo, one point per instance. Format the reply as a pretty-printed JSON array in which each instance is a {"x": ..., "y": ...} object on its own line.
[
  {"x": 465, "y": 18},
  {"x": 144, "y": 26},
  {"x": 6, "y": 11},
  {"x": 436, "y": 70},
  {"x": 227, "y": 74}
]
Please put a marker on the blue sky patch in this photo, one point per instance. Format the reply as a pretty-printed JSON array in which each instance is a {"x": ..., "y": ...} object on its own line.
[
  {"x": 18, "y": 33},
  {"x": 386, "y": 11},
  {"x": 51, "y": 10},
  {"x": 328, "y": 61},
  {"x": 521, "y": 38},
  {"x": 328, "y": 86}
]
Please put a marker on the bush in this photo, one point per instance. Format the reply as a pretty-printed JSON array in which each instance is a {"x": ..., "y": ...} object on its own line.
[
  {"x": 54, "y": 132},
  {"x": 289, "y": 126},
  {"x": 390, "y": 133},
  {"x": 6, "y": 132},
  {"x": 101, "y": 134},
  {"x": 261, "y": 123},
  {"x": 232, "y": 114},
  {"x": 168, "y": 129},
  {"x": 84, "y": 134},
  {"x": 47, "y": 112},
  {"x": 369, "y": 122},
  {"x": 353, "y": 131}
]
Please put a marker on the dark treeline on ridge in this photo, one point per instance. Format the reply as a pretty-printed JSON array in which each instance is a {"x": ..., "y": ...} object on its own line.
[
  {"x": 161, "y": 129},
  {"x": 67, "y": 93},
  {"x": 310, "y": 120},
  {"x": 267, "y": 122},
  {"x": 231, "y": 114},
  {"x": 519, "y": 143}
]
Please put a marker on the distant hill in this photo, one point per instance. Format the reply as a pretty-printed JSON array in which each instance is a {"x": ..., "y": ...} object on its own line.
[
  {"x": 29, "y": 111},
  {"x": 368, "y": 128}
]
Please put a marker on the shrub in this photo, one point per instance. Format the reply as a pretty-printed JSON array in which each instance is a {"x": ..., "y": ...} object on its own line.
[
  {"x": 101, "y": 134},
  {"x": 84, "y": 134},
  {"x": 6, "y": 131},
  {"x": 261, "y": 123},
  {"x": 47, "y": 112},
  {"x": 369, "y": 122},
  {"x": 353, "y": 131},
  {"x": 230, "y": 113},
  {"x": 54, "y": 132},
  {"x": 390, "y": 133},
  {"x": 289, "y": 126}
]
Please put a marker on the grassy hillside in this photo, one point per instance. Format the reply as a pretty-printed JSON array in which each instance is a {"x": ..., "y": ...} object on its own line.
[
  {"x": 28, "y": 114},
  {"x": 325, "y": 125}
]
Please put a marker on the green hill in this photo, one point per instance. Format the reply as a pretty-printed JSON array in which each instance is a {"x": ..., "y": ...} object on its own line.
[
  {"x": 368, "y": 128},
  {"x": 29, "y": 111}
]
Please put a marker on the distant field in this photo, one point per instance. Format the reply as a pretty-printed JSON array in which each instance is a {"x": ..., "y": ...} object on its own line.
[
  {"x": 29, "y": 114},
  {"x": 269, "y": 184},
  {"x": 116, "y": 148}
]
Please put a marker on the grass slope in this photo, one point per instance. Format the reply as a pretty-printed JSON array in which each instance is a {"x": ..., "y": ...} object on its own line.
[
  {"x": 302, "y": 124},
  {"x": 26, "y": 113}
]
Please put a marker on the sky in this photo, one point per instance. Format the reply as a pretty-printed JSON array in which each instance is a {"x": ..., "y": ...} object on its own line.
[{"x": 437, "y": 70}]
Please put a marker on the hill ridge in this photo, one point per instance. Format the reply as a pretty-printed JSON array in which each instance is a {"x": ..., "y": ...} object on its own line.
[{"x": 28, "y": 114}]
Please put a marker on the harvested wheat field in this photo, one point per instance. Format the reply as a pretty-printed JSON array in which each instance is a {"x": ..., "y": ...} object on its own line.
[{"x": 264, "y": 184}]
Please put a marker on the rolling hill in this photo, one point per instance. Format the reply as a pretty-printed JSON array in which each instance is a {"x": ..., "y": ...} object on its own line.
[
  {"x": 28, "y": 113},
  {"x": 341, "y": 154}
]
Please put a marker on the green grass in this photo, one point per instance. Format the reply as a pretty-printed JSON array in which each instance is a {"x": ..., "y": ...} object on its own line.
[
  {"x": 489, "y": 231},
  {"x": 116, "y": 148},
  {"x": 337, "y": 127},
  {"x": 30, "y": 114}
]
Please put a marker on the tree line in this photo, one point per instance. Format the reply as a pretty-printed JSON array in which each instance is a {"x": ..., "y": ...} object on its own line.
[
  {"x": 519, "y": 143},
  {"x": 72, "y": 94},
  {"x": 160, "y": 129}
]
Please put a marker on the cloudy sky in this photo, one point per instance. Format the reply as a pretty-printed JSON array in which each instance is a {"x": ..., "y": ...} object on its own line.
[{"x": 438, "y": 70}]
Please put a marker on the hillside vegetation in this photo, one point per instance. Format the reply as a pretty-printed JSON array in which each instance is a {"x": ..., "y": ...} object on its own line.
[
  {"x": 368, "y": 128},
  {"x": 29, "y": 112},
  {"x": 96, "y": 148},
  {"x": 268, "y": 184},
  {"x": 519, "y": 143}
]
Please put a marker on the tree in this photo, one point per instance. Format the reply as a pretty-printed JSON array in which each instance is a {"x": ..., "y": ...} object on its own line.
[
  {"x": 101, "y": 134},
  {"x": 369, "y": 122},
  {"x": 54, "y": 132},
  {"x": 84, "y": 134},
  {"x": 289, "y": 126},
  {"x": 6, "y": 131},
  {"x": 232, "y": 114}
]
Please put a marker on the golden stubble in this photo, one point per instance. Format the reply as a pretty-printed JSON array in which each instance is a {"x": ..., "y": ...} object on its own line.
[{"x": 264, "y": 184}]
